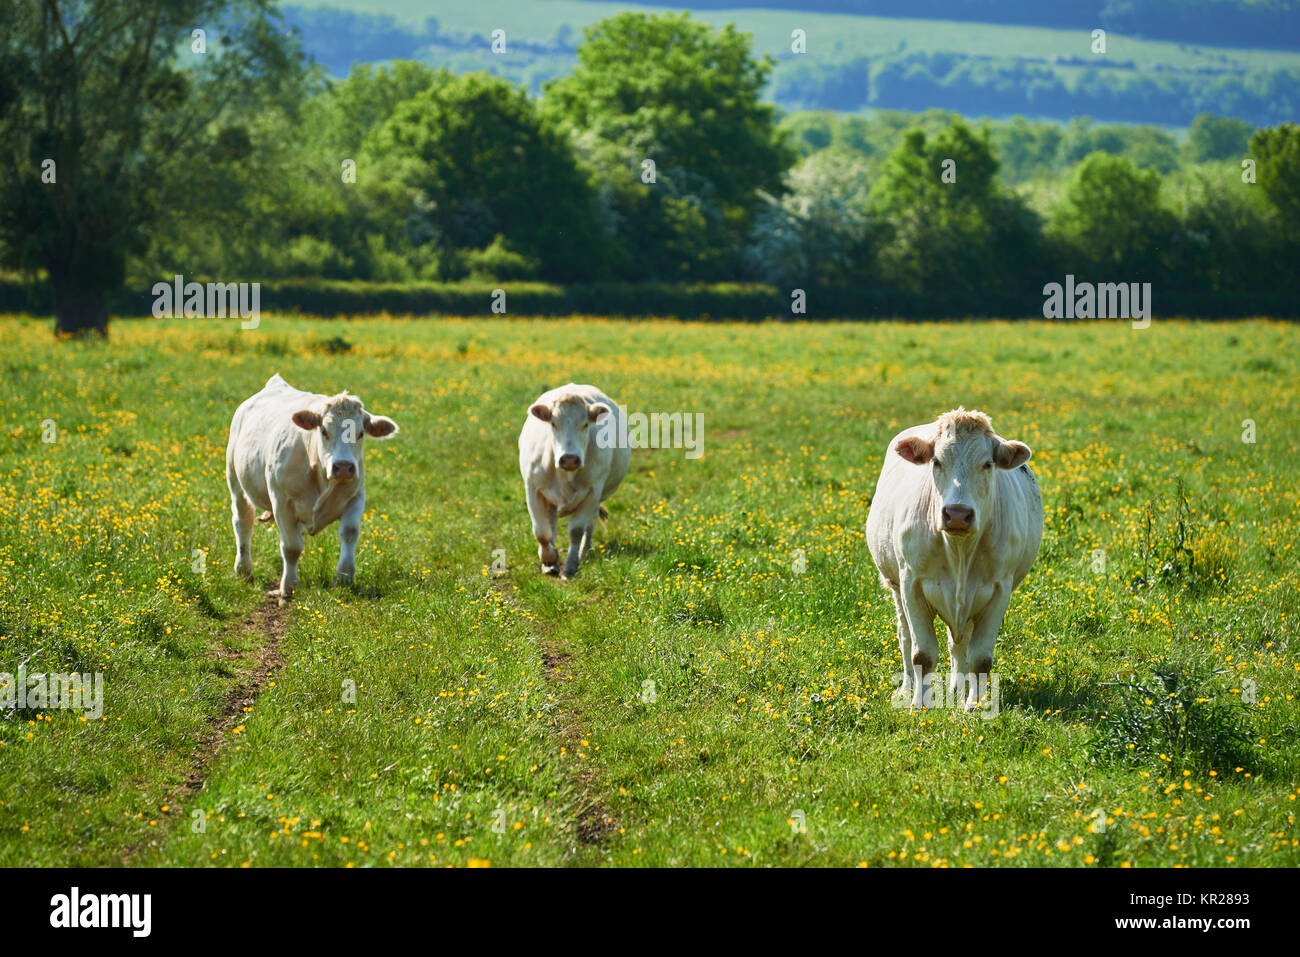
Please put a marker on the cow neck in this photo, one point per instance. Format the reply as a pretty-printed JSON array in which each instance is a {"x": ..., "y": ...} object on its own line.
[
  {"x": 329, "y": 492},
  {"x": 960, "y": 554},
  {"x": 961, "y": 557}
]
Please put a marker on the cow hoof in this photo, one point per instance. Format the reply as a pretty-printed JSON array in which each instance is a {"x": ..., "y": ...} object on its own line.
[
  {"x": 550, "y": 570},
  {"x": 569, "y": 572}
]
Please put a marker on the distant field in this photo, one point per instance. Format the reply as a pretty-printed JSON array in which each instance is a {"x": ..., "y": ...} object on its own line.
[
  {"x": 840, "y": 37},
  {"x": 715, "y": 687}
]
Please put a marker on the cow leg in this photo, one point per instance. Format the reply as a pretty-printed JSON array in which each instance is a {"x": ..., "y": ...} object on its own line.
[
  {"x": 925, "y": 643},
  {"x": 286, "y": 520},
  {"x": 591, "y": 525},
  {"x": 580, "y": 526},
  {"x": 545, "y": 530},
  {"x": 349, "y": 532},
  {"x": 957, "y": 657},
  {"x": 984, "y": 634},
  {"x": 904, "y": 645},
  {"x": 241, "y": 517}
]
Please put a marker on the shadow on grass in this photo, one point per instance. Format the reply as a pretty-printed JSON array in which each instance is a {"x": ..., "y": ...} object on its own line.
[
  {"x": 617, "y": 548},
  {"x": 1065, "y": 696}
]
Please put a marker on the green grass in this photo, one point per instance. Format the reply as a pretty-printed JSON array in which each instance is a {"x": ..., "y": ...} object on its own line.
[{"x": 509, "y": 720}]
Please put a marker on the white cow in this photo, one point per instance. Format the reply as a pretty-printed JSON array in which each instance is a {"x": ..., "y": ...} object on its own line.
[
  {"x": 570, "y": 468},
  {"x": 298, "y": 456},
  {"x": 954, "y": 526}
]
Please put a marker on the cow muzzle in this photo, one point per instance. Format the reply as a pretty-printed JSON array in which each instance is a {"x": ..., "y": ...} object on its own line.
[
  {"x": 343, "y": 471},
  {"x": 570, "y": 462},
  {"x": 958, "y": 519}
]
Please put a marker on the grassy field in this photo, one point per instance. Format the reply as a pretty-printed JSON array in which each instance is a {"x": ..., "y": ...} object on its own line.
[{"x": 716, "y": 686}]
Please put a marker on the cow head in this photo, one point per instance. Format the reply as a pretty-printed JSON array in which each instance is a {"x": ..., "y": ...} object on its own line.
[
  {"x": 336, "y": 426},
  {"x": 963, "y": 457},
  {"x": 570, "y": 417}
]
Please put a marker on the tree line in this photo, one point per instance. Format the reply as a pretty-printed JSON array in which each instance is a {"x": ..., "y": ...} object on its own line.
[
  {"x": 987, "y": 84},
  {"x": 656, "y": 160}
]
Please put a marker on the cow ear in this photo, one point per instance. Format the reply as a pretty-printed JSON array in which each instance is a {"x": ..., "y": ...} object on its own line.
[
  {"x": 596, "y": 410},
  {"x": 915, "y": 449},
  {"x": 380, "y": 426},
  {"x": 306, "y": 419},
  {"x": 543, "y": 412},
  {"x": 1010, "y": 455}
]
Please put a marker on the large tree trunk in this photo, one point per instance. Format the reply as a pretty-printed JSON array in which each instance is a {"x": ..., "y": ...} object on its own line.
[{"x": 79, "y": 312}]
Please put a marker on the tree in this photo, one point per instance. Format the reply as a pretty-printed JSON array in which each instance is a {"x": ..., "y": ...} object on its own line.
[
  {"x": 1111, "y": 218},
  {"x": 1229, "y": 240},
  {"x": 1026, "y": 149},
  {"x": 809, "y": 132},
  {"x": 946, "y": 223},
  {"x": 100, "y": 114},
  {"x": 819, "y": 233},
  {"x": 1277, "y": 153},
  {"x": 686, "y": 97},
  {"x": 1213, "y": 137},
  {"x": 352, "y": 107},
  {"x": 481, "y": 161}
]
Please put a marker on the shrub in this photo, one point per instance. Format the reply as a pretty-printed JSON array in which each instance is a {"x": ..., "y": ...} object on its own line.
[
  {"x": 1184, "y": 713},
  {"x": 499, "y": 262}
]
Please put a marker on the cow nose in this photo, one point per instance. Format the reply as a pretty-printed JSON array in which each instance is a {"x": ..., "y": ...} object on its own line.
[
  {"x": 570, "y": 462},
  {"x": 957, "y": 518},
  {"x": 345, "y": 469}
]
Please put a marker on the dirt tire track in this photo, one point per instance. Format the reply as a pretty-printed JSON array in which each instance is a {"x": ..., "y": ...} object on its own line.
[
  {"x": 594, "y": 821},
  {"x": 269, "y": 621}
]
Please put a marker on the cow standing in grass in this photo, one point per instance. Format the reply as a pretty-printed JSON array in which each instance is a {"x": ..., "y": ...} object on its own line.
[
  {"x": 298, "y": 456},
  {"x": 954, "y": 527},
  {"x": 568, "y": 469}
]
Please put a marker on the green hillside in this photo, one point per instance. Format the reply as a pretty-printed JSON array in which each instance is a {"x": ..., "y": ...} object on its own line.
[{"x": 852, "y": 62}]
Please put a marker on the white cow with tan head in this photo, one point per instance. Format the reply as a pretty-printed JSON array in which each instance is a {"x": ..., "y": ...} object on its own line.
[
  {"x": 298, "y": 457},
  {"x": 954, "y": 527},
  {"x": 568, "y": 469}
]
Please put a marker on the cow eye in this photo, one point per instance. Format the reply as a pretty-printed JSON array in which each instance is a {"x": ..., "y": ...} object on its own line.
[
  {"x": 988, "y": 464},
  {"x": 324, "y": 435},
  {"x": 938, "y": 464}
]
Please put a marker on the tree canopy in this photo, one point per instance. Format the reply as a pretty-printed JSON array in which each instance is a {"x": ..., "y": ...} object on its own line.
[{"x": 104, "y": 108}]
